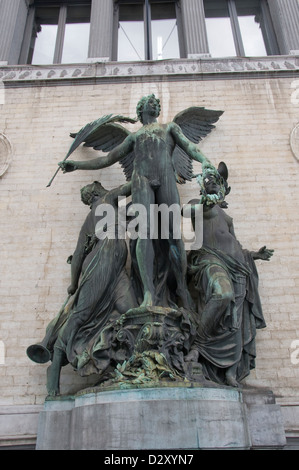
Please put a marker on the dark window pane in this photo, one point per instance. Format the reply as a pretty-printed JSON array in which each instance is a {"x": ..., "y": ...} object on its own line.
[
  {"x": 78, "y": 14},
  {"x": 47, "y": 15}
]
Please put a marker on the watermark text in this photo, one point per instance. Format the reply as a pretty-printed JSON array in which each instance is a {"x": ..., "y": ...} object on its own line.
[
  {"x": 2, "y": 353},
  {"x": 295, "y": 94},
  {"x": 295, "y": 352},
  {"x": 158, "y": 221}
]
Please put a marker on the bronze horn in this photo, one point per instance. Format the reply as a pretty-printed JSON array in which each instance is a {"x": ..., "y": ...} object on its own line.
[{"x": 39, "y": 352}]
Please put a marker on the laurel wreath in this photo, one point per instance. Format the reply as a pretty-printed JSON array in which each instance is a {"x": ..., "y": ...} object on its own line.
[{"x": 209, "y": 199}]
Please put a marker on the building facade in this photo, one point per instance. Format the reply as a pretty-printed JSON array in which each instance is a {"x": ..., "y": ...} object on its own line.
[{"x": 66, "y": 63}]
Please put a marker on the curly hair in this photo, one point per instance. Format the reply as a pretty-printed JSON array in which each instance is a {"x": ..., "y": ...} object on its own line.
[{"x": 141, "y": 103}]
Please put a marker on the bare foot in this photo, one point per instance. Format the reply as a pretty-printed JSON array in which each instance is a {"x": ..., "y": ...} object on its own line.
[
  {"x": 147, "y": 300},
  {"x": 231, "y": 379}
]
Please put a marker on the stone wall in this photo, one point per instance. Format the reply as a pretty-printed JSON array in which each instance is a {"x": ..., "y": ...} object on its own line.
[{"x": 39, "y": 225}]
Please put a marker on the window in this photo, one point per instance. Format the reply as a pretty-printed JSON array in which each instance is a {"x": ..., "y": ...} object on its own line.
[
  {"x": 219, "y": 31},
  {"x": 60, "y": 34},
  {"x": 147, "y": 30},
  {"x": 46, "y": 26},
  {"x": 59, "y": 31},
  {"x": 130, "y": 44},
  {"x": 165, "y": 43},
  {"x": 239, "y": 28}
]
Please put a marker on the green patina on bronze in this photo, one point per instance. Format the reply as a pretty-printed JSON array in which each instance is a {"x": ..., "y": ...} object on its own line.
[{"x": 173, "y": 318}]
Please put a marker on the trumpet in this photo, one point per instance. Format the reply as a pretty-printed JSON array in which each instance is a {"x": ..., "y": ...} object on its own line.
[
  {"x": 42, "y": 352},
  {"x": 39, "y": 352}
]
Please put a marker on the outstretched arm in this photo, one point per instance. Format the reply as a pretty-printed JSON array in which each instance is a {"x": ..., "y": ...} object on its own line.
[
  {"x": 264, "y": 253},
  {"x": 101, "y": 162}
]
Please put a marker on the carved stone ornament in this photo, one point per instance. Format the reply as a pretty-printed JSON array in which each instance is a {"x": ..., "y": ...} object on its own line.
[
  {"x": 5, "y": 154},
  {"x": 294, "y": 140}
]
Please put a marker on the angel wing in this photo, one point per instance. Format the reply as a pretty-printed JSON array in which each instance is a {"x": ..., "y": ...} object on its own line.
[
  {"x": 196, "y": 123},
  {"x": 105, "y": 135},
  {"x": 101, "y": 134}
]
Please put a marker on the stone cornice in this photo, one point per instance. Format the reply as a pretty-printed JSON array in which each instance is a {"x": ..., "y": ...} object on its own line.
[{"x": 174, "y": 69}]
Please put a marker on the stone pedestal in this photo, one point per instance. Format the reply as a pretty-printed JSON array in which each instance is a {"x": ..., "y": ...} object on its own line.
[{"x": 170, "y": 417}]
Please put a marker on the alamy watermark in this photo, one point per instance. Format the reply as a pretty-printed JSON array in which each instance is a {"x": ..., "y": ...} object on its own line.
[
  {"x": 158, "y": 221},
  {"x": 295, "y": 93},
  {"x": 295, "y": 352},
  {"x": 2, "y": 93},
  {"x": 2, "y": 353}
]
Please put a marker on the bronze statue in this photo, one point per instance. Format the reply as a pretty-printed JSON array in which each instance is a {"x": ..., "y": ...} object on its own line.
[
  {"x": 225, "y": 280},
  {"x": 164, "y": 321},
  {"x": 154, "y": 158},
  {"x": 104, "y": 293}
]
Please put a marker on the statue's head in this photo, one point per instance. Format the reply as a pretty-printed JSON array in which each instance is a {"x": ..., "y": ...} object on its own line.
[
  {"x": 214, "y": 181},
  {"x": 151, "y": 104},
  {"x": 92, "y": 191}
]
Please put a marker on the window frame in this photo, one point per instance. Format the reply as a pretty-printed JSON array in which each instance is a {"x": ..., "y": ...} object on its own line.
[
  {"x": 148, "y": 53},
  {"x": 31, "y": 29},
  {"x": 268, "y": 33},
  {"x": 27, "y": 49}
]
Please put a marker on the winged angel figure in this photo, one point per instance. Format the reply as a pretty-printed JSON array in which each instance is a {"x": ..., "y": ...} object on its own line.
[{"x": 154, "y": 159}]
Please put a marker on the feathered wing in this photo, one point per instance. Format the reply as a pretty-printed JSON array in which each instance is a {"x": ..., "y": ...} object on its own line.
[
  {"x": 127, "y": 165},
  {"x": 104, "y": 134},
  {"x": 182, "y": 165},
  {"x": 196, "y": 123}
]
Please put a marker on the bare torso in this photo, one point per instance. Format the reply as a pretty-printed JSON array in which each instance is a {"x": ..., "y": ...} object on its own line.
[
  {"x": 218, "y": 233},
  {"x": 153, "y": 150}
]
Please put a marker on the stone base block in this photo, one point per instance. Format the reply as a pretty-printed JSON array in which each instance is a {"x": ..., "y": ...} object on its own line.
[{"x": 186, "y": 417}]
